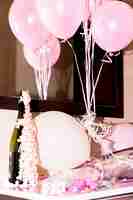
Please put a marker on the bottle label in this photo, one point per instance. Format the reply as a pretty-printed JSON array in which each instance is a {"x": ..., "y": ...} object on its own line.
[{"x": 19, "y": 123}]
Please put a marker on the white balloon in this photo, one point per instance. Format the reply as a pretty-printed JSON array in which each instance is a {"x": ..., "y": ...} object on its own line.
[{"x": 63, "y": 143}]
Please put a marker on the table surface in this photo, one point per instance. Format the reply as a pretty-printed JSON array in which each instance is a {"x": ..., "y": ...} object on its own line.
[{"x": 125, "y": 193}]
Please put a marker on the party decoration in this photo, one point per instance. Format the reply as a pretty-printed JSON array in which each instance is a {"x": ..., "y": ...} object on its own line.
[
  {"x": 42, "y": 60},
  {"x": 61, "y": 17},
  {"x": 42, "y": 78},
  {"x": 54, "y": 185},
  {"x": 80, "y": 185},
  {"x": 77, "y": 186},
  {"x": 29, "y": 154},
  {"x": 25, "y": 24},
  {"x": 100, "y": 133},
  {"x": 110, "y": 29},
  {"x": 45, "y": 56},
  {"x": 63, "y": 142}
]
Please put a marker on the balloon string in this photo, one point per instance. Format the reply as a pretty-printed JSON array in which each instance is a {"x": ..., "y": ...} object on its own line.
[
  {"x": 38, "y": 77},
  {"x": 46, "y": 77},
  {"x": 87, "y": 64},
  {"x": 48, "y": 73},
  {"x": 77, "y": 66},
  {"x": 92, "y": 63},
  {"x": 106, "y": 59},
  {"x": 98, "y": 76},
  {"x": 42, "y": 76},
  {"x": 38, "y": 83}
]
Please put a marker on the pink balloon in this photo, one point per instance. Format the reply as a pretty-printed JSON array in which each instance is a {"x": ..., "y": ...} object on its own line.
[
  {"x": 93, "y": 5},
  {"x": 61, "y": 17},
  {"x": 89, "y": 8},
  {"x": 47, "y": 55},
  {"x": 113, "y": 25},
  {"x": 86, "y": 11},
  {"x": 25, "y": 24}
]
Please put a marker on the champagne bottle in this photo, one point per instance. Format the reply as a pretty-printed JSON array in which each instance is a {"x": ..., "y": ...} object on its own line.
[{"x": 14, "y": 154}]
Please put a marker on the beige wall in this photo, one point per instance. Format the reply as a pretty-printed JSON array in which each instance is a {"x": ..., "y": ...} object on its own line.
[{"x": 7, "y": 52}]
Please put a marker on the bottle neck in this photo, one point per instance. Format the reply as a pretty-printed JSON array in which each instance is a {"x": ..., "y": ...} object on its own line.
[{"x": 21, "y": 110}]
